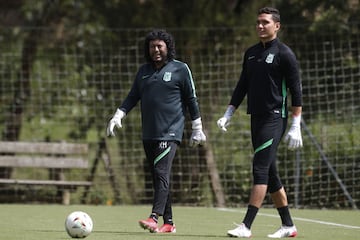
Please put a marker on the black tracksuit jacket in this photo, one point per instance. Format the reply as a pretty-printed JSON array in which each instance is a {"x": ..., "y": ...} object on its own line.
[
  {"x": 166, "y": 95},
  {"x": 268, "y": 72}
]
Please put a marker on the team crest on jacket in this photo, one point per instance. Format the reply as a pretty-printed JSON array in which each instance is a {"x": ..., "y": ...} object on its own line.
[
  {"x": 270, "y": 58},
  {"x": 167, "y": 76}
]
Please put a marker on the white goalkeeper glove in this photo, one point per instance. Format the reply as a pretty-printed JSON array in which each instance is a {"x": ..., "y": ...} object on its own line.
[
  {"x": 225, "y": 120},
  {"x": 293, "y": 137},
  {"x": 115, "y": 121},
  {"x": 197, "y": 136}
]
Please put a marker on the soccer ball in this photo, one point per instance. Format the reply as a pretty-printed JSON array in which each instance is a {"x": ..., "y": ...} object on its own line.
[{"x": 78, "y": 224}]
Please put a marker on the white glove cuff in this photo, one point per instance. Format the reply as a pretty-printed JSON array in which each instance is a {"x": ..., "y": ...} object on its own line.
[
  {"x": 229, "y": 112},
  {"x": 196, "y": 124},
  {"x": 119, "y": 114},
  {"x": 296, "y": 120}
]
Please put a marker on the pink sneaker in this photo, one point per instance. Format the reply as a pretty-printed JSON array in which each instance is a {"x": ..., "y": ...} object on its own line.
[
  {"x": 167, "y": 228},
  {"x": 149, "y": 224}
]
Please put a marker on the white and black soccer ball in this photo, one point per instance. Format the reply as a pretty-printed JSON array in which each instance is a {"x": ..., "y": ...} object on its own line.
[{"x": 78, "y": 224}]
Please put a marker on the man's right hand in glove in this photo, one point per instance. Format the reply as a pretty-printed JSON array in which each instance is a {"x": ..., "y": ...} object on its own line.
[
  {"x": 225, "y": 120},
  {"x": 115, "y": 121}
]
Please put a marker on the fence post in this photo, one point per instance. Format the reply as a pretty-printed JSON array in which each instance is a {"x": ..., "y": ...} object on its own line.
[{"x": 297, "y": 177}]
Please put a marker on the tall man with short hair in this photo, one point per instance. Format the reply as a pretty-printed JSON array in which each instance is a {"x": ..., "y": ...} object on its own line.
[{"x": 269, "y": 69}]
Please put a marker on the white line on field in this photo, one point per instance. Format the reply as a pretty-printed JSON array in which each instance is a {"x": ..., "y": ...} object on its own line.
[{"x": 296, "y": 218}]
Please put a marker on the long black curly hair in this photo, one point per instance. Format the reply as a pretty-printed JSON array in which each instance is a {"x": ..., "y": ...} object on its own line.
[{"x": 159, "y": 34}]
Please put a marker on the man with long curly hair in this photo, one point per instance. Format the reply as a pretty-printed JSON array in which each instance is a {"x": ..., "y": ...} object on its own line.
[{"x": 166, "y": 90}]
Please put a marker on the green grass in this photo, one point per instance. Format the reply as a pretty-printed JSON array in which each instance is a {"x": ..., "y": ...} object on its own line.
[{"x": 37, "y": 222}]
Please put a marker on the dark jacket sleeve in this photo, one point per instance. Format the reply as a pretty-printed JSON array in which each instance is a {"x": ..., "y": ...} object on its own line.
[
  {"x": 133, "y": 96},
  {"x": 189, "y": 94},
  {"x": 292, "y": 76},
  {"x": 240, "y": 90}
]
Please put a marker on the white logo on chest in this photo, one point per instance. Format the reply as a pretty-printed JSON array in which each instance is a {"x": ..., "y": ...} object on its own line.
[
  {"x": 167, "y": 76},
  {"x": 270, "y": 58}
]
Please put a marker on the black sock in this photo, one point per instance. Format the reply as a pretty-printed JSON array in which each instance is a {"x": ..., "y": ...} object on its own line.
[
  {"x": 285, "y": 216},
  {"x": 154, "y": 217},
  {"x": 250, "y": 216},
  {"x": 168, "y": 221}
]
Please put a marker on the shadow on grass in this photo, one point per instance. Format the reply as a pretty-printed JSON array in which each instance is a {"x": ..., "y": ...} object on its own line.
[
  {"x": 140, "y": 235},
  {"x": 159, "y": 235}
]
